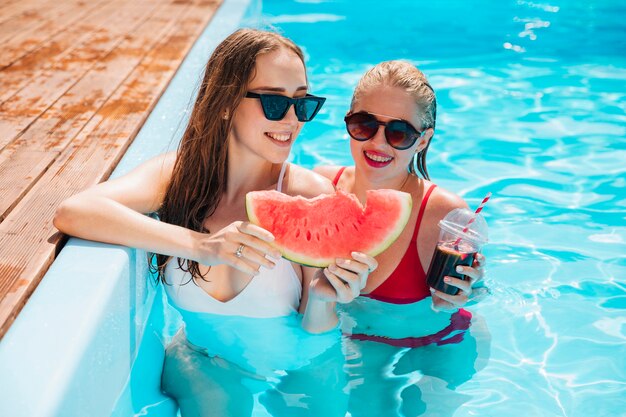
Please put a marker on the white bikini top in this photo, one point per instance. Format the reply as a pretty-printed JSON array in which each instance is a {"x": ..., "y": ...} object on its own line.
[{"x": 273, "y": 293}]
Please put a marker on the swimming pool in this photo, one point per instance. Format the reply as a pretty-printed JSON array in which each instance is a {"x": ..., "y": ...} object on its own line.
[
  {"x": 532, "y": 104},
  {"x": 532, "y": 108}
]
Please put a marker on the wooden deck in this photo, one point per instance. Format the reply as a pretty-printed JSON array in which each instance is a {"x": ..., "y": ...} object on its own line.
[{"x": 77, "y": 80}]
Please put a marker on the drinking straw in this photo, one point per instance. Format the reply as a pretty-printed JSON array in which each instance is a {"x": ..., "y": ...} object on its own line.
[{"x": 466, "y": 228}]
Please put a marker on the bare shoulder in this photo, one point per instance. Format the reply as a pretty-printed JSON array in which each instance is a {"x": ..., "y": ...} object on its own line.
[
  {"x": 161, "y": 168},
  {"x": 443, "y": 201},
  {"x": 162, "y": 165},
  {"x": 307, "y": 183},
  {"x": 328, "y": 171},
  {"x": 168, "y": 158},
  {"x": 141, "y": 189}
]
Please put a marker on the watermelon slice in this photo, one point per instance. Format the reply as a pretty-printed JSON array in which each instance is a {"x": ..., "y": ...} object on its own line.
[{"x": 316, "y": 231}]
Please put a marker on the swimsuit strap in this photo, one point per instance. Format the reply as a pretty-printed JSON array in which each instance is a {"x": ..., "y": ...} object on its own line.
[
  {"x": 279, "y": 186},
  {"x": 336, "y": 180},
  {"x": 422, "y": 209}
]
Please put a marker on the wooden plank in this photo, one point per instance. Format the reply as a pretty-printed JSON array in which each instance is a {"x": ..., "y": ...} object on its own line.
[
  {"x": 27, "y": 232},
  {"x": 19, "y": 174},
  {"x": 35, "y": 63},
  {"x": 11, "y": 9},
  {"x": 33, "y": 20},
  {"x": 21, "y": 110},
  {"x": 52, "y": 132},
  {"x": 54, "y": 55},
  {"x": 13, "y": 51},
  {"x": 7, "y": 5}
]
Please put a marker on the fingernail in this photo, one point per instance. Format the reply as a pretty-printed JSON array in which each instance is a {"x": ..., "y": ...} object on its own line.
[
  {"x": 432, "y": 290},
  {"x": 459, "y": 269},
  {"x": 446, "y": 279},
  {"x": 356, "y": 254},
  {"x": 340, "y": 261}
]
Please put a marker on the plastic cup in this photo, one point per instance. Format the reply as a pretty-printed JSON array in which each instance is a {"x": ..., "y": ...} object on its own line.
[{"x": 459, "y": 240}]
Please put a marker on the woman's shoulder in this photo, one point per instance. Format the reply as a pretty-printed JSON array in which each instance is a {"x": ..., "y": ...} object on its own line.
[
  {"x": 328, "y": 171},
  {"x": 163, "y": 164},
  {"x": 442, "y": 201},
  {"x": 343, "y": 175},
  {"x": 168, "y": 158},
  {"x": 307, "y": 183},
  {"x": 158, "y": 168}
]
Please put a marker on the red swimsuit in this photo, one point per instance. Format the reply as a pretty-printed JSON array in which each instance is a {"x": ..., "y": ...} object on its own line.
[{"x": 407, "y": 284}]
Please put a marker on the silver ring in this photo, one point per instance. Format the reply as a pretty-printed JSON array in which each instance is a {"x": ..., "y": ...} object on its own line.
[{"x": 239, "y": 251}]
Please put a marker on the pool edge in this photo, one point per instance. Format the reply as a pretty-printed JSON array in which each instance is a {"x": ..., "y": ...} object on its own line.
[{"x": 71, "y": 349}]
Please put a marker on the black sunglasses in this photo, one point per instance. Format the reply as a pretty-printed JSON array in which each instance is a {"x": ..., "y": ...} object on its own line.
[
  {"x": 275, "y": 106},
  {"x": 400, "y": 134}
]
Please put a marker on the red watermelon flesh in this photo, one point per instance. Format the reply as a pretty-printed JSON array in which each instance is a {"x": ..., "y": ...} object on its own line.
[{"x": 316, "y": 231}]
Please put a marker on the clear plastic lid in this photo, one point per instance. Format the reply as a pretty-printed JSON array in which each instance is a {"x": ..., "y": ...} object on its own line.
[{"x": 458, "y": 219}]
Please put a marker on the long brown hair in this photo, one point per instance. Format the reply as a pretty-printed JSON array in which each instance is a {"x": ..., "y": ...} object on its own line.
[
  {"x": 199, "y": 177},
  {"x": 406, "y": 76}
]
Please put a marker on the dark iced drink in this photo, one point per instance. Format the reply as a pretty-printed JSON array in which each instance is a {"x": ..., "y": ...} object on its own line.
[
  {"x": 462, "y": 234},
  {"x": 445, "y": 260}
]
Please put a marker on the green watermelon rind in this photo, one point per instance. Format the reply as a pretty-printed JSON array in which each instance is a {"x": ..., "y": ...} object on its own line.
[
  {"x": 403, "y": 219},
  {"x": 302, "y": 259}
]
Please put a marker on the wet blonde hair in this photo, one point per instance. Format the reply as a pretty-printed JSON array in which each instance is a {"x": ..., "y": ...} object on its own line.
[{"x": 406, "y": 76}]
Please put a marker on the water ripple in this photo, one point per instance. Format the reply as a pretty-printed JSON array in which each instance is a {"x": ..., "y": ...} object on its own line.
[{"x": 541, "y": 125}]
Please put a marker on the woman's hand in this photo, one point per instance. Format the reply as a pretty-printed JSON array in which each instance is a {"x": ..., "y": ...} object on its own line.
[
  {"x": 343, "y": 281},
  {"x": 443, "y": 301},
  {"x": 241, "y": 245}
]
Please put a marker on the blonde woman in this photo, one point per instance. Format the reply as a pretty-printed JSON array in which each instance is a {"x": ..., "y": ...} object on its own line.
[{"x": 395, "y": 353}]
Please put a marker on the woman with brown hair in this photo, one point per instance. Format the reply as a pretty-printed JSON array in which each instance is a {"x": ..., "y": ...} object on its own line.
[{"x": 251, "y": 105}]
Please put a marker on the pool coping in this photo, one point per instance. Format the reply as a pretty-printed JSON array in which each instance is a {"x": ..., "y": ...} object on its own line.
[{"x": 80, "y": 331}]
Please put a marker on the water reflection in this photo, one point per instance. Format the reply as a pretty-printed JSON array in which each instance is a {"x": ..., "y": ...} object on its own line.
[
  {"x": 408, "y": 360},
  {"x": 387, "y": 360},
  {"x": 239, "y": 366}
]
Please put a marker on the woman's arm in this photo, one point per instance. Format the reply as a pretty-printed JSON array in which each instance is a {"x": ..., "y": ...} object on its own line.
[
  {"x": 440, "y": 204},
  {"x": 327, "y": 171},
  {"x": 113, "y": 211},
  {"x": 341, "y": 282},
  {"x": 318, "y": 315}
]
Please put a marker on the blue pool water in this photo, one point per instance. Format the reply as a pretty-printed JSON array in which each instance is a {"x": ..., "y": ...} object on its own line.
[{"x": 532, "y": 107}]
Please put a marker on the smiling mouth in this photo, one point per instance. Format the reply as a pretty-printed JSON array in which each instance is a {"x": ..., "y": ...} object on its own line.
[
  {"x": 378, "y": 159},
  {"x": 279, "y": 137}
]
